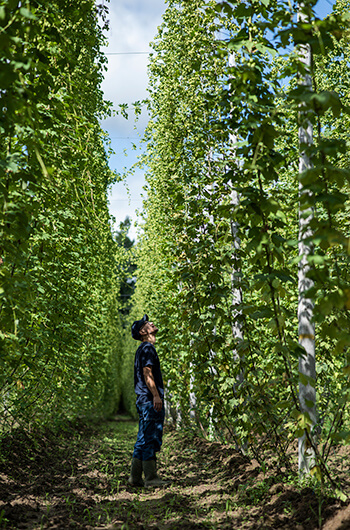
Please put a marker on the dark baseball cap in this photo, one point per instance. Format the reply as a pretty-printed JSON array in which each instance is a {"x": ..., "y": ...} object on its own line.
[{"x": 137, "y": 325}]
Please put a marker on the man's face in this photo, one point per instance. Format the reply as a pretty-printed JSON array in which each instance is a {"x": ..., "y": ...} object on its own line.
[{"x": 149, "y": 329}]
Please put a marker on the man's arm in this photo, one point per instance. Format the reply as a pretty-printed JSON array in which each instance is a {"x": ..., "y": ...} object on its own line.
[{"x": 149, "y": 380}]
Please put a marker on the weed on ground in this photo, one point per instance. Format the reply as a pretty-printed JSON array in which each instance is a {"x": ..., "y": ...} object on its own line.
[{"x": 78, "y": 479}]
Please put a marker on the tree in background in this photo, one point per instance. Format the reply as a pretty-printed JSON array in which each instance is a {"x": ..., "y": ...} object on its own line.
[{"x": 128, "y": 268}]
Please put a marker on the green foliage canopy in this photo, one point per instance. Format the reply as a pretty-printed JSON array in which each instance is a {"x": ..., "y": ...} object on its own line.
[
  {"x": 221, "y": 131},
  {"x": 60, "y": 328}
]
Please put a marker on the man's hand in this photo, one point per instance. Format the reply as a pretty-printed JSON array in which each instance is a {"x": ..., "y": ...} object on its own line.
[{"x": 157, "y": 403}]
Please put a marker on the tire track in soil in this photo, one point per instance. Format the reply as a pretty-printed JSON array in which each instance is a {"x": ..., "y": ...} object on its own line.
[{"x": 78, "y": 479}]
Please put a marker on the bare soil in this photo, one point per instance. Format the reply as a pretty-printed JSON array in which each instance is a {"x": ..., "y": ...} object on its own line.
[{"x": 78, "y": 479}]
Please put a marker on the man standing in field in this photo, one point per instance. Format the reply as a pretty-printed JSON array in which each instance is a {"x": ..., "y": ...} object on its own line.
[{"x": 149, "y": 390}]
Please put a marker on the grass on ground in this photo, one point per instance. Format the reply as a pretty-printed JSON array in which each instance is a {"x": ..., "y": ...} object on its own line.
[{"x": 78, "y": 480}]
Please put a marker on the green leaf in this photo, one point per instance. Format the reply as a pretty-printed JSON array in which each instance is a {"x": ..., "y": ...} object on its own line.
[
  {"x": 27, "y": 14},
  {"x": 310, "y": 404},
  {"x": 341, "y": 495},
  {"x": 326, "y": 100},
  {"x": 316, "y": 472}
]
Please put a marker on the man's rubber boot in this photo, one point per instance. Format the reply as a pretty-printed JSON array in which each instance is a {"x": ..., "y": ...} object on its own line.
[
  {"x": 135, "y": 478},
  {"x": 151, "y": 477}
]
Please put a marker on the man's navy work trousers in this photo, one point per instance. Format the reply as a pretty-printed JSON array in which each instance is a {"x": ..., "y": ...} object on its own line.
[{"x": 149, "y": 437}]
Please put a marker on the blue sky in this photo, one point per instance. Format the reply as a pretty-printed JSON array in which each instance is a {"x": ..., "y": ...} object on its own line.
[{"x": 133, "y": 25}]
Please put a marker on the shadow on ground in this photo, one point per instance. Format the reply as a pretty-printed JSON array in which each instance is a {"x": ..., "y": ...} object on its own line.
[{"x": 78, "y": 479}]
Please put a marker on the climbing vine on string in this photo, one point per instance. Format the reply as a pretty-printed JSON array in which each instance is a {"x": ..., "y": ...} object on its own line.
[
  {"x": 222, "y": 130},
  {"x": 60, "y": 328}
]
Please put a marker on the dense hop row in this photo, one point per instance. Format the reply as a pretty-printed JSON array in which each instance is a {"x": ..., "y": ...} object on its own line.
[
  {"x": 60, "y": 331},
  {"x": 218, "y": 265}
]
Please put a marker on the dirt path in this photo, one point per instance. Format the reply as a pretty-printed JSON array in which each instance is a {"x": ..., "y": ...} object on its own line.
[{"x": 78, "y": 480}]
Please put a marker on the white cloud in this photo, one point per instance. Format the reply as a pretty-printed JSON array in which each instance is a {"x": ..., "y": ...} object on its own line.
[
  {"x": 126, "y": 79},
  {"x": 133, "y": 25}
]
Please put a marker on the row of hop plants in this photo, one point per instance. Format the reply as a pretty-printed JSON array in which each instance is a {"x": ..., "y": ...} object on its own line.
[
  {"x": 60, "y": 264},
  {"x": 218, "y": 259}
]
